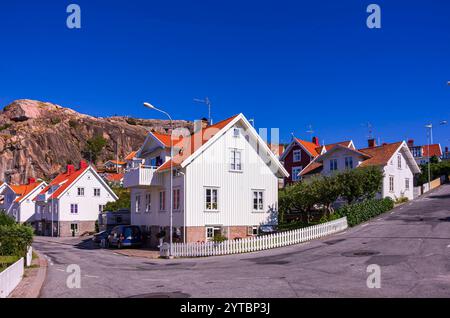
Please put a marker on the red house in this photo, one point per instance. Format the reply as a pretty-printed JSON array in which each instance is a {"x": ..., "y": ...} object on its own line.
[{"x": 299, "y": 153}]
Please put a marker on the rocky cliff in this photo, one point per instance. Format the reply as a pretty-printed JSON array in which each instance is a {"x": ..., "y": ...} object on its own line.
[{"x": 38, "y": 139}]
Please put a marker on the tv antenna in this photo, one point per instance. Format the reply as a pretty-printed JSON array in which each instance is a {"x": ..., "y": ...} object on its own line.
[
  {"x": 369, "y": 127},
  {"x": 207, "y": 102},
  {"x": 310, "y": 130}
]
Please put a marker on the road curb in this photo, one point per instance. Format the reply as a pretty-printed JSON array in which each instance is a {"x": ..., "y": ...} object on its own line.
[{"x": 31, "y": 285}]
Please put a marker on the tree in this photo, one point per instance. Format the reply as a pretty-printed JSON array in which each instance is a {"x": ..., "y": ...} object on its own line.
[
  {"x": 94, "y": 147},
  {"x": 351, "y": 182},
  {"x": 325, "y": 191},
  {"x": 124, "y": 201},
  {"x": 372, "y": 178}
]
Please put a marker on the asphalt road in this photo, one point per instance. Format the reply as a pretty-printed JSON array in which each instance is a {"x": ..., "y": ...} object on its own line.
[{"x": 411, "y": 244}]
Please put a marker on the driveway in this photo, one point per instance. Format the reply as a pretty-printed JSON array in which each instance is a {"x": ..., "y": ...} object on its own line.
[{"x": 410, "y": 244}]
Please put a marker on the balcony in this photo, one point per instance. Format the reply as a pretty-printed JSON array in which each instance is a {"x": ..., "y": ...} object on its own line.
[{"x": 143, "y": 176}]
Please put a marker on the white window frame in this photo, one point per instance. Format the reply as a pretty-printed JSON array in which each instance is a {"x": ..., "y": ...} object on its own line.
[
  {"x": 176, "y": 199},
  {"x": 259, "y": 197},
  {"x": 348, "y": 162},
  {"x": 75, "y": 227},
  {"x": 212, "y": 189},
  {"x": 97, "y": 190},
  {"x": 233, "y": 160},
  {"x": 148, "y": 202},
  {"x": 74, "y": 208},
  {"x": 80, "y": 190},
  {"x": 407, "y": 184},
  {"x": 137, "y": 204},
  {"x": 213, "y": 228},
  {"x": 391, "y": 184},
  {"x": 162, "y": 200},
  {"x": 296, "y": 176},
  {"x": 236, "y": 132},
  {"x": 333, "y": 164},
  {"x": 251, "y": 230},
  {"x": 297, "y": 155}
]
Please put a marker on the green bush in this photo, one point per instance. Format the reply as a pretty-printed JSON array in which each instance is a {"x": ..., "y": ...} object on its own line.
[
  {"x": 5, "y": 219},
  {"x": 15, "y": 239},
  {"x": 219, "y": 238},
  {"x": 401, "y": 200},
  {"x": 124, "y": 201},
  {"x": 360, "y": 212}
]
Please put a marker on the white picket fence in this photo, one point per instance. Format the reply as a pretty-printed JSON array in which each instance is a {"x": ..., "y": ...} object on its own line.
[
  {"x": 257, "y": 243},
  {"x": 11, "y": 277}
]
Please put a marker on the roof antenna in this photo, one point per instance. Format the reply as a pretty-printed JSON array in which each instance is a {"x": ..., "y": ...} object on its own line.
[
  {"x": 310, "y": 131},
  {"x": 369, "y": 127},
  {"x": 207, "y": 102}
]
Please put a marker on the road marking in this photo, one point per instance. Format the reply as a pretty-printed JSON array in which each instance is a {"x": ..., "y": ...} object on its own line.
[
  {"x": 401, "y": 208},
  {"x": 364, "y": 225},
  {"x": 392, "y": 212},
  {"x": 61, "y": 270},
  {"x": 448, "y": 245},
  {"x": 90, "y": 276}
]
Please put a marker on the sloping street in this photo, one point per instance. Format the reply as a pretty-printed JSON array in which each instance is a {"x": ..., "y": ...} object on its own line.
[{"x": 411, "y": 244}]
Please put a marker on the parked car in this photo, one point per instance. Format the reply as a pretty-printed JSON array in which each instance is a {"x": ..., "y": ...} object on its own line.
[
  {"x": 125, "y": 235},
  {"x": 267, "y": 229},
  {"x": 100, "y": 236}
]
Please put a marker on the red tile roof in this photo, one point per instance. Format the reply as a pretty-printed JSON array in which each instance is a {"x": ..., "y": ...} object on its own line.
[
  {"x": 24, "y": 189},
  {"x": 195, "y": 141},
  {"x": 311, "y": 168},
  {"x": 435, "y": 150},
  {"x": 117, "y": 162},
  {"x": 64, "y": 180},
  {"x": 165, "y": 139},
  {"x": 114, "y": 177},
  {"x": 309, "y": 146},
  {"x": 379, "y": 156}
]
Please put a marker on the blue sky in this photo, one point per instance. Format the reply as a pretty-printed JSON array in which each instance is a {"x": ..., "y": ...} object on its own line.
[{"x": 287, "y": 64}]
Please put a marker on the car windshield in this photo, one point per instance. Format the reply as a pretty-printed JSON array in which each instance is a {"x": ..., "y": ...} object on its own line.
[{"x": 131, "y": 231}]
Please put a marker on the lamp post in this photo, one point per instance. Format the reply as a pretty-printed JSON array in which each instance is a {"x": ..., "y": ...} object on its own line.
[
  {"x": 150, "y": 106},
  {"x": 430, "y": 141}
]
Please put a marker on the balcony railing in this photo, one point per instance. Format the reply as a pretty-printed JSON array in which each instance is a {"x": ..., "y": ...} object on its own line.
[{"x": 142, "y": 176}]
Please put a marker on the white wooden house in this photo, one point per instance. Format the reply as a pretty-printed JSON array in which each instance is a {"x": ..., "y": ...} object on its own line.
[
  {"x": 225, "y": 182},
  {"x": 18, "y": 200},
  {"x": 395, "y": 159},
  {"x": 71, "y": 203}
]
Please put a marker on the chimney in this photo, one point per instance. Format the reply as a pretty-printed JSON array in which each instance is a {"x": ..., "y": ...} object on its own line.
[
  {"x": 70, "y": 169},
  {"x": 446, "y": 149},
  {"x": 83, "y": 164},
  {"x": 411, "y": 143},
  {"x": 198, "y": 125},
  {"x": 31, "y": 180},
  {"x": 372, "y": 143},
  {"x": 315, "y": 141}
]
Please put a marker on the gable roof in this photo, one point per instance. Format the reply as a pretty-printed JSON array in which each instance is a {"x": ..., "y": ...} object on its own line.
[
  {"x": 312, "y": 149},
  {"x": 116, "y": 162},
  {"x": 114, "y": 177},
  {"x": 435, "y": 150},
  {"x": 65, "y": 181},
  {"x": 200, "y": 140},
  {"x": 376, "y": 156},
  {"x": 24, "y": 190},
  {"x": 328, "y": 147}
]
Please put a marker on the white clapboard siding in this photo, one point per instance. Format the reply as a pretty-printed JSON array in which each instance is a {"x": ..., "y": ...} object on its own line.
[{"x": 259, "y": 243}]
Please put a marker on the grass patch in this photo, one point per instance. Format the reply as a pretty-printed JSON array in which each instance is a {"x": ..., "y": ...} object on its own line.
[{"x": 6, "y": 261}]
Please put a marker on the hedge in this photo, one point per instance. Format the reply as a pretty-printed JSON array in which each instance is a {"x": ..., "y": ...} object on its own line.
[
  {"x": 360, "y": 212},
  {"x": 15, "y": 239}
]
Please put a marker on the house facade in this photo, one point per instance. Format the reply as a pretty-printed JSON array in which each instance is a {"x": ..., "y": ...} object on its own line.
[
  {"x": 115, "y": 166},
  {"x": 225, "y": 183},
  {"x": 395, "y": 159},
  {"x": 18, "y": 200},
  {"x": 71, "y": 203},
  {"x": 299, "y": 153},
  {"x": 2, "y": 187},
  {"x": 423, "y": 153}
]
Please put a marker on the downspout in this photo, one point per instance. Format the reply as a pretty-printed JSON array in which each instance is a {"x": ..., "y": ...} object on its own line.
[{"x": 184, "y": 206}]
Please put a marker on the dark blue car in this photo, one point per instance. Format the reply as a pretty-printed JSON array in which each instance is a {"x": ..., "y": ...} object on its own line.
[{"x": 125, "y": 236}]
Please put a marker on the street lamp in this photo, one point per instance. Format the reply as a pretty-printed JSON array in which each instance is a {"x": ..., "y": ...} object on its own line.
[
  {"x": 430, "y": 141},
  {"x": 150, "y": 106}
]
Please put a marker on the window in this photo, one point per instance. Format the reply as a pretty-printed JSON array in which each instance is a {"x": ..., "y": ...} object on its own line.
[
  {"x": 258, "y": 200},
  {"x": 296, "y": 173},
  {"x": 162, "y": 200},
  {"x": 333, "y": 164},
  {"x": 96, "y": 192},
  {"x": 137, "y": 206},
  {"x": 235, "y": 160},
  {"x": 407, "y": 184},
  {"x": 391, "y": 183},
  {"x": 74, "y": 208},
  {"x": 348, "y": 162},
  {"x": 253, "y": 230},
  {"x": 148, "y": 202},
  {"x": 80, "y": 192},
  {"x": 74, "y": 227},
  {"x": 101, "y": 207},
  {"x": 236, "y": 132},
  {"x": 212, "y": 231},
  {"x": 399, "y": 161},
  {"x": 297, "y": 155},
  {"x": 176, "y": 199},
  {"x": 211, "y": 202}
]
